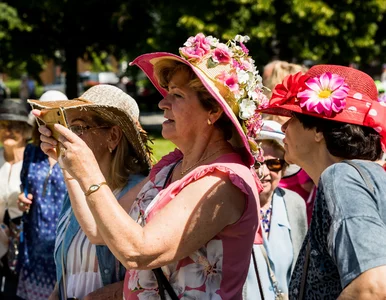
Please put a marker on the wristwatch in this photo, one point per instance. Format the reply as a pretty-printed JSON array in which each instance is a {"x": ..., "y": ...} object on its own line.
[{"x": 93, "y": 188}]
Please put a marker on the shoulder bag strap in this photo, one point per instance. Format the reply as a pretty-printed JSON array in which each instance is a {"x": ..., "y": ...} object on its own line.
[
  {"x": 365, "y": 177},
  {"x": 257, "y": 274},
  {"x": 305, "y": 270},
  {"x": 162, "y": 281},
  {"x": 271, "y": 273}
]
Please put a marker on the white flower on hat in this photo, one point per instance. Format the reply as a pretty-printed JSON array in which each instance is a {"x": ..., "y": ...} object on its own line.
[
  {"x": 241, "y": 38},
  {"x": 212, "y": 40},
  {"x": 247, "y": 109},
  {"x": 243, "y": 76}
]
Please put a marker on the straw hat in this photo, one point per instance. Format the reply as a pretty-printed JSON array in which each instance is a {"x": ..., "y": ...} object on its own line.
[
  {"x": 114, "y": 106},
  {"x": 331, "y": 92},
  {"x": 229, "y": 74}
]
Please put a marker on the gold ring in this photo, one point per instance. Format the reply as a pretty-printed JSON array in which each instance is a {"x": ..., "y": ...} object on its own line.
[{"x": 21, "y": 204}]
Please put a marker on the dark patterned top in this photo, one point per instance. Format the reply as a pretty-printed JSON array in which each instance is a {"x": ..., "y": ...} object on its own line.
[{"x": 347, "y": 221}]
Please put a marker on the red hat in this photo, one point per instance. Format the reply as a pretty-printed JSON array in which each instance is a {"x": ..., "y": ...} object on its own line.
[{"x": 331, "y": 92}]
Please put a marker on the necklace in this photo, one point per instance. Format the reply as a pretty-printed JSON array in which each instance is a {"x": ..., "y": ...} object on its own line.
[
  {"x": 199, "y": 161},
  {"x": 265, "y": 218}
]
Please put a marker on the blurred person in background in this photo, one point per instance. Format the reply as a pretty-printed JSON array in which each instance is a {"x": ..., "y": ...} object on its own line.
[
  {"x": 336, "y": 132},
  {"x": 283, "y": 220},
  {"x": 196, "y": 214},
  {"x": 41, "y": 199},
  {"x": 105, "y": 119},
  {"x": 14, "y": 134},
  {"x": 294, "y": 178}
]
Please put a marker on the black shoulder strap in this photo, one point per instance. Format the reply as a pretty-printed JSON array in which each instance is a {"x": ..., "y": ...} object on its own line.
[{"x": 162, "y": 281}]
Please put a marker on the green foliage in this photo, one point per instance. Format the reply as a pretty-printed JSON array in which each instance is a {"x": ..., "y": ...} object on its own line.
[
  {"x": 331, "y": 31},
  {"x": 161, "y": 146}
]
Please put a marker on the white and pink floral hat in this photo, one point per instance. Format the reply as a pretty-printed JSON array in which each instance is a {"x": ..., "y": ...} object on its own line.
[
  {"x": 229, "y": 74},
  {"x": 331, "y": 92}
]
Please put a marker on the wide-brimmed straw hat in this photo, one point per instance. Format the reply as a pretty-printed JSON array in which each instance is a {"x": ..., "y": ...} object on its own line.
[
  {"x": 229, "y": 75},
  {"x": 13, "y": 110},
  {"x": 331, "y": 92},
  {"x": 114, "y": 106}
]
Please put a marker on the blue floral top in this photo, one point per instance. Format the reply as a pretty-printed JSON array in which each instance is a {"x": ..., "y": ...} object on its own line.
[{"x": 36, "y": 260}]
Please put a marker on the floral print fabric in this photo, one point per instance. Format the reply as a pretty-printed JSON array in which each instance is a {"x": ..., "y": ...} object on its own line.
[{"x": 219, "y": 268}]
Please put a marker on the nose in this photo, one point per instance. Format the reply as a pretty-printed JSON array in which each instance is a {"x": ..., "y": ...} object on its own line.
[
  {"x": 164, "y": 104},
  {"x": 284, "y": 126}
]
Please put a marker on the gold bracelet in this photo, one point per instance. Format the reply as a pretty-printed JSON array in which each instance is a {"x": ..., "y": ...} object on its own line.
[{"x": 93, "y": 188}]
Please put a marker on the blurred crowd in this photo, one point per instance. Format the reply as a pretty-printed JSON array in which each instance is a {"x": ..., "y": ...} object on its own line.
[{"x": 276, "y": 188}]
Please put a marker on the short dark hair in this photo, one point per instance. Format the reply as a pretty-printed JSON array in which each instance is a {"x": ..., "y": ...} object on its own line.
[{"x": 348, "y": 141}]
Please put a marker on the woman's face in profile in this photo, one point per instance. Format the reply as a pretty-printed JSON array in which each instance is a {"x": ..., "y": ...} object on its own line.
[
  {"x": 185, "y": 116},
  {"x": 12, "y": 133}
]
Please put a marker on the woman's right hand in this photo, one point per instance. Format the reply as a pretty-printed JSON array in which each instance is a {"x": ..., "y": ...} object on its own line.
[{"x": 24, "y": 202}]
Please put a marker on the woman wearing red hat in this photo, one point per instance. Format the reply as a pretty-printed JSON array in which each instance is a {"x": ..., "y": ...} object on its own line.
[{"x": 336, "y": 132}]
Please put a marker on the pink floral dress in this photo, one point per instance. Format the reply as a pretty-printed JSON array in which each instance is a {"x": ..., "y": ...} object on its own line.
[{"x": 218, "y": 269}]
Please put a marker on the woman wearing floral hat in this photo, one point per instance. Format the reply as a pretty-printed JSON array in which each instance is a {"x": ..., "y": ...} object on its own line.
[
  {"x": 192, "y": 222},
  {"x": 336, "y": 132}
]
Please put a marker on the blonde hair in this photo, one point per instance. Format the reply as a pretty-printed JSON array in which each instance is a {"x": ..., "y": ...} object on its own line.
[
  {"x": 276, "y": 71},
  {"x": 165, "y": 69},
  {"x": 124, "y": 162}
]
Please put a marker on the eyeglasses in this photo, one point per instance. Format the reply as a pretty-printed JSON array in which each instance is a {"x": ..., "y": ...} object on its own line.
[
  {"x": 274, "y": 164},
  {"x": 80, "y": 129},
  {"x": 13, "y": 125}
]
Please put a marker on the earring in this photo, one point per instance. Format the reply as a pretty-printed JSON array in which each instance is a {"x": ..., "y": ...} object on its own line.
[
  {"x": 110, "y": 150},
  {"x": 209, "y": 122}
]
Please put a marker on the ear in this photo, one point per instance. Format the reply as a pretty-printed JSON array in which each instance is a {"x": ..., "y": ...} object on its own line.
[
  {"x": 115, "y": 137},
  {"x": 319, "y": 137},
  {"x": 215, "y": 114}
]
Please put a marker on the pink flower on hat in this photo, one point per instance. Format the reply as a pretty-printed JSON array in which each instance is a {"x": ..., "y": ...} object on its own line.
[
  {"x": 230, "y": 80},
  {"x": 196, "y": 47},
  {"x": 324, "y": 94},
  {"x": 222, "y": 54}
]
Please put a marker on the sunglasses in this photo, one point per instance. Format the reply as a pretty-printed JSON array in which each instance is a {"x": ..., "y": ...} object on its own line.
[
  {"x": 80, "y": 130},
  {"x": 13, "y": 125},
  {"x": 273, "y": 164}
]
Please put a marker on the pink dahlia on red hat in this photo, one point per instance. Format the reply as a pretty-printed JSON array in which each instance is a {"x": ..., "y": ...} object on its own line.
[{"x": 324, "y": 94}]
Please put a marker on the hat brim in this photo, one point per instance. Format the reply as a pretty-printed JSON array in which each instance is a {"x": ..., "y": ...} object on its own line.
[
  {"x": 112, "y": 114},
  {"x": 239, "y": 140},
  {"x": 13, "y": 117}
]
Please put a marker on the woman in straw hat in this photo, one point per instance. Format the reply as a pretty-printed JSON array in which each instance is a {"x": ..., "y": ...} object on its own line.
[
  {"x": 41, "y": 198},
  {"x": 336, "y": 132},
  {"x": 104, "y": 120},
  {"x": 14, "y": 134},
  {"x": 196, "y": 214}
]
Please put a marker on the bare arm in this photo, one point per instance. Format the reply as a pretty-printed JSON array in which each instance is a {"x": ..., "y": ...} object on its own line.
[
  {"x": 369, "y": 285},
  {"x": 199, "y": 212},
  {"x": 83, "y": 213}
]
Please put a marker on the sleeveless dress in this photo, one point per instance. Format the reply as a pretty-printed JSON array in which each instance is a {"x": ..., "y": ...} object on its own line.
[{"x": 219, "y": 268}]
